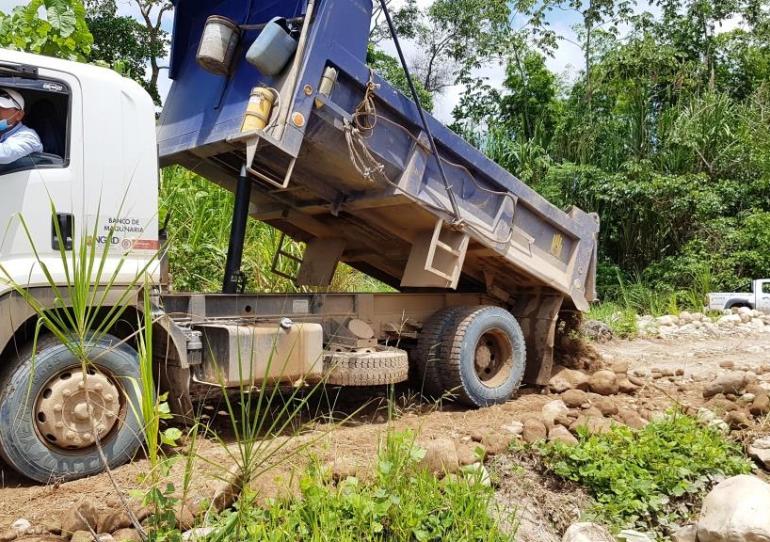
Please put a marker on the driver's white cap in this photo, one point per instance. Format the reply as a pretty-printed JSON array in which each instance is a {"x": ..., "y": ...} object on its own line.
[{"x": 11, "y": 99}]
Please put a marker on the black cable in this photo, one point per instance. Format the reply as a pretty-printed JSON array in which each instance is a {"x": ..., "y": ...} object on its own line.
[{"x": 416, "y": 98}]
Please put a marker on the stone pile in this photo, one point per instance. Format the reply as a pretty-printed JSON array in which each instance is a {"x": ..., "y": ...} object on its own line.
[
  {"x": 741, "y": 320},
  {"x": 584, "y": 400}
]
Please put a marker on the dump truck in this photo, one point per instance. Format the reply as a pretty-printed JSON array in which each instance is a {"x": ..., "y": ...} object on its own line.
[{"x": 274, "y": 102}]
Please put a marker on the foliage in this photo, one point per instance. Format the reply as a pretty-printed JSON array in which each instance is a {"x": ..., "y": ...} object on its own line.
[
  {"x": 391, "y": 70},
  {"x": 122, "y": 42},
  {"x": 652, "y": 478},
  {"x": 402, "y": 503},
  {"x": 62, "y": 33},
  {"x": 665, "y": 134}
]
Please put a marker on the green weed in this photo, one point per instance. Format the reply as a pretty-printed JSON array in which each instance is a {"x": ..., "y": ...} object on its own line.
[
  {"x": 649, "y": 479},
  {"x": 402, "y": 503}
]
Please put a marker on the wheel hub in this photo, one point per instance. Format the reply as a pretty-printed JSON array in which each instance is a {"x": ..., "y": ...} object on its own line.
[
  {"x": 74, "y": 407},
  {"x": 493, "y": 359}
]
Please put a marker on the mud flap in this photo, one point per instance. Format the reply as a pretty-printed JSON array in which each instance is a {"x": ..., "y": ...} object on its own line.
[{"x": 537, "y": 315}]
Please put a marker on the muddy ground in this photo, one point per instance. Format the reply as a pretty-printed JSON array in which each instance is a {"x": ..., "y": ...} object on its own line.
[{"x": 544, "y": 507}]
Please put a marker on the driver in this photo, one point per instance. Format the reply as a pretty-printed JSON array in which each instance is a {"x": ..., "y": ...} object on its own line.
[{"x": 16, "y": 140}]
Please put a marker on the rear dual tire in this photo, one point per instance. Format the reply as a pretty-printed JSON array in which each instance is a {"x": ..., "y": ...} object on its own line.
[{"x": 476, "y": 355}]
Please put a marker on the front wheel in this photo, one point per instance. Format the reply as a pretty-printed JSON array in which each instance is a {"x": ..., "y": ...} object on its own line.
[
  {"x": 53, "y": 410},
  {"x": 486, "y": 356}
]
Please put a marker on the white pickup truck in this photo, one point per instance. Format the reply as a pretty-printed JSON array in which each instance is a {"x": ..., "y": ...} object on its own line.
[{"x": 758, "y": 299}]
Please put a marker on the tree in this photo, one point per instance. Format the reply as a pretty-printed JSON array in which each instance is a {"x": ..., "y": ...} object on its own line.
[
  {"x": 62, "y": 32},
  {"x": 455, "y": 37},
  {"x": 391, "y": 70},
  {"x": 152, "y": 13},
  {"x": 124, "y": 43}
]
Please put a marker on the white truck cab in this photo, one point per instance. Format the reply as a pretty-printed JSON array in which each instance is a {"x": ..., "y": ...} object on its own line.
[
  {"x": 99, "y": 169},
  {"x": 758, "y": 298}
]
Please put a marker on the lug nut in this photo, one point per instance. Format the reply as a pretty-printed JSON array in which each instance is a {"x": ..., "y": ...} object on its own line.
[
  {"x": 57, "y": 407},
  {"x": 59, "y": 425},
  {"x": 98, "y": 387},
  {"x": 70, "y": 435},
  {"x": 66, "y": 393},
  {"x": 109, "y": 397}
]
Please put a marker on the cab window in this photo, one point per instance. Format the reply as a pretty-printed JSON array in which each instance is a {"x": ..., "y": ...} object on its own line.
[
  {"x": 47, "y": 111},
  {"x": 766, "y": 287}
]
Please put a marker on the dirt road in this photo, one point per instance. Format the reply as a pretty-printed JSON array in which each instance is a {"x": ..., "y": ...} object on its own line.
[{"x": 350, "y": 448}]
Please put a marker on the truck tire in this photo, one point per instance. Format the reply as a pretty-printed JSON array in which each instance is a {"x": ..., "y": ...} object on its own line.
[
  {"x": 375, "y": 367},
  {"x": 429, "y": 358},
  {"x": 486, "y": 357},
  {"x": 47, "y": 416}
]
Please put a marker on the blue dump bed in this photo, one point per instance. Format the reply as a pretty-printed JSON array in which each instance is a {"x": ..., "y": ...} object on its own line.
[{"x": 350, "y": 170}]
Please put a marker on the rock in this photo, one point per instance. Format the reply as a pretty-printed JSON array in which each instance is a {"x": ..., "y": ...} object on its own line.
[
  {"x": 534, "y": 431},
  {"x": 727, "y": 364},
  {"x": 747, "y": 398},
  {"x": 596, "y": 331},
  {"x": 197, "y": 534},
  {"x": 343, "y": 467},
  {"x": 732, "y": 382},
  {"x": 495, "y": 443},
  {"x": 737, "y": 419},
  {"x": 729, "y": 320},
  {"x": 477, "y": 436},
  {"x": 760, "y": 450},
  {"x": 81, "y": 536},
  {"x": 688, "y": 533},
  {"x": 566, "y": 420},
  {"x": 21, "y": 525},
  {"x": 603, "y": 382},
  {"x": 620, "y": 367},
  {"x": 105, "y": 537},
  {"x": 761, "y": 405},
  {"x": 626, "y": 386},
  {"x": 587, "y": 532},
  {"x": 564, "y": 379},
  {"x": 592, "y": 424},
  {"x": 515, "y": 428},
  {"x": 667, "y": 320},
  {"x": 629, "y": 535},
  {"x": 592, "y": 412},
  {"x": 632, "y": 418},
  {"x": 112, "y": 520},
  {"x": 736, "y": 511},
  {"x": 80, "y": 518},
  {"x": 440, "y": 456},
  {"x": 709, "y": 419},
  {"x": 559, "y": 433},
  {"x": 466, "y": 455},
  {"x": 635, "y": 380},
  {"x": 574, "y": 398},
  {"x": 127, "y": 535},
  {"x": 553, "y": 410},
  {"x": 606, "y": 406}
]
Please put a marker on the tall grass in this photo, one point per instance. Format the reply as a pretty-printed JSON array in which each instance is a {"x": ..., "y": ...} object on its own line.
[
  {"x": 199, "y": 218},
  {"x": 629, "y": 299}
]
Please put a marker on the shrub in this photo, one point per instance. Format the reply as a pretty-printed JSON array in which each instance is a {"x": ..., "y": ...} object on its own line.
[{"x": 651, "y": 478}]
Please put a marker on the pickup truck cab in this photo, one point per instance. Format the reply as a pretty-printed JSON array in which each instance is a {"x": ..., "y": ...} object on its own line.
[{"x": 758, "y": 298}]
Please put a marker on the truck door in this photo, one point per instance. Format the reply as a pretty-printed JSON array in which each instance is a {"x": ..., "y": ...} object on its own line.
[
  {"x": 763, "y": 295},
  {"x": 29, "y": 185}
]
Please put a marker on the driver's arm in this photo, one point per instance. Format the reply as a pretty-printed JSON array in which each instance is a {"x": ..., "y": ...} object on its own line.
[{"x": 18, "y": 146}]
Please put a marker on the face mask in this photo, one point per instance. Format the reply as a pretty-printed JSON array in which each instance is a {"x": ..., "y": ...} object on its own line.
[{"x": 4, "y": 124}]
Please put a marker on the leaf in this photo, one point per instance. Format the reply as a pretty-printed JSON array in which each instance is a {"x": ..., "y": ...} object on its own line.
[
  {"x": 170, "y": 436},
  {"x": 62, "y": 18}
]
